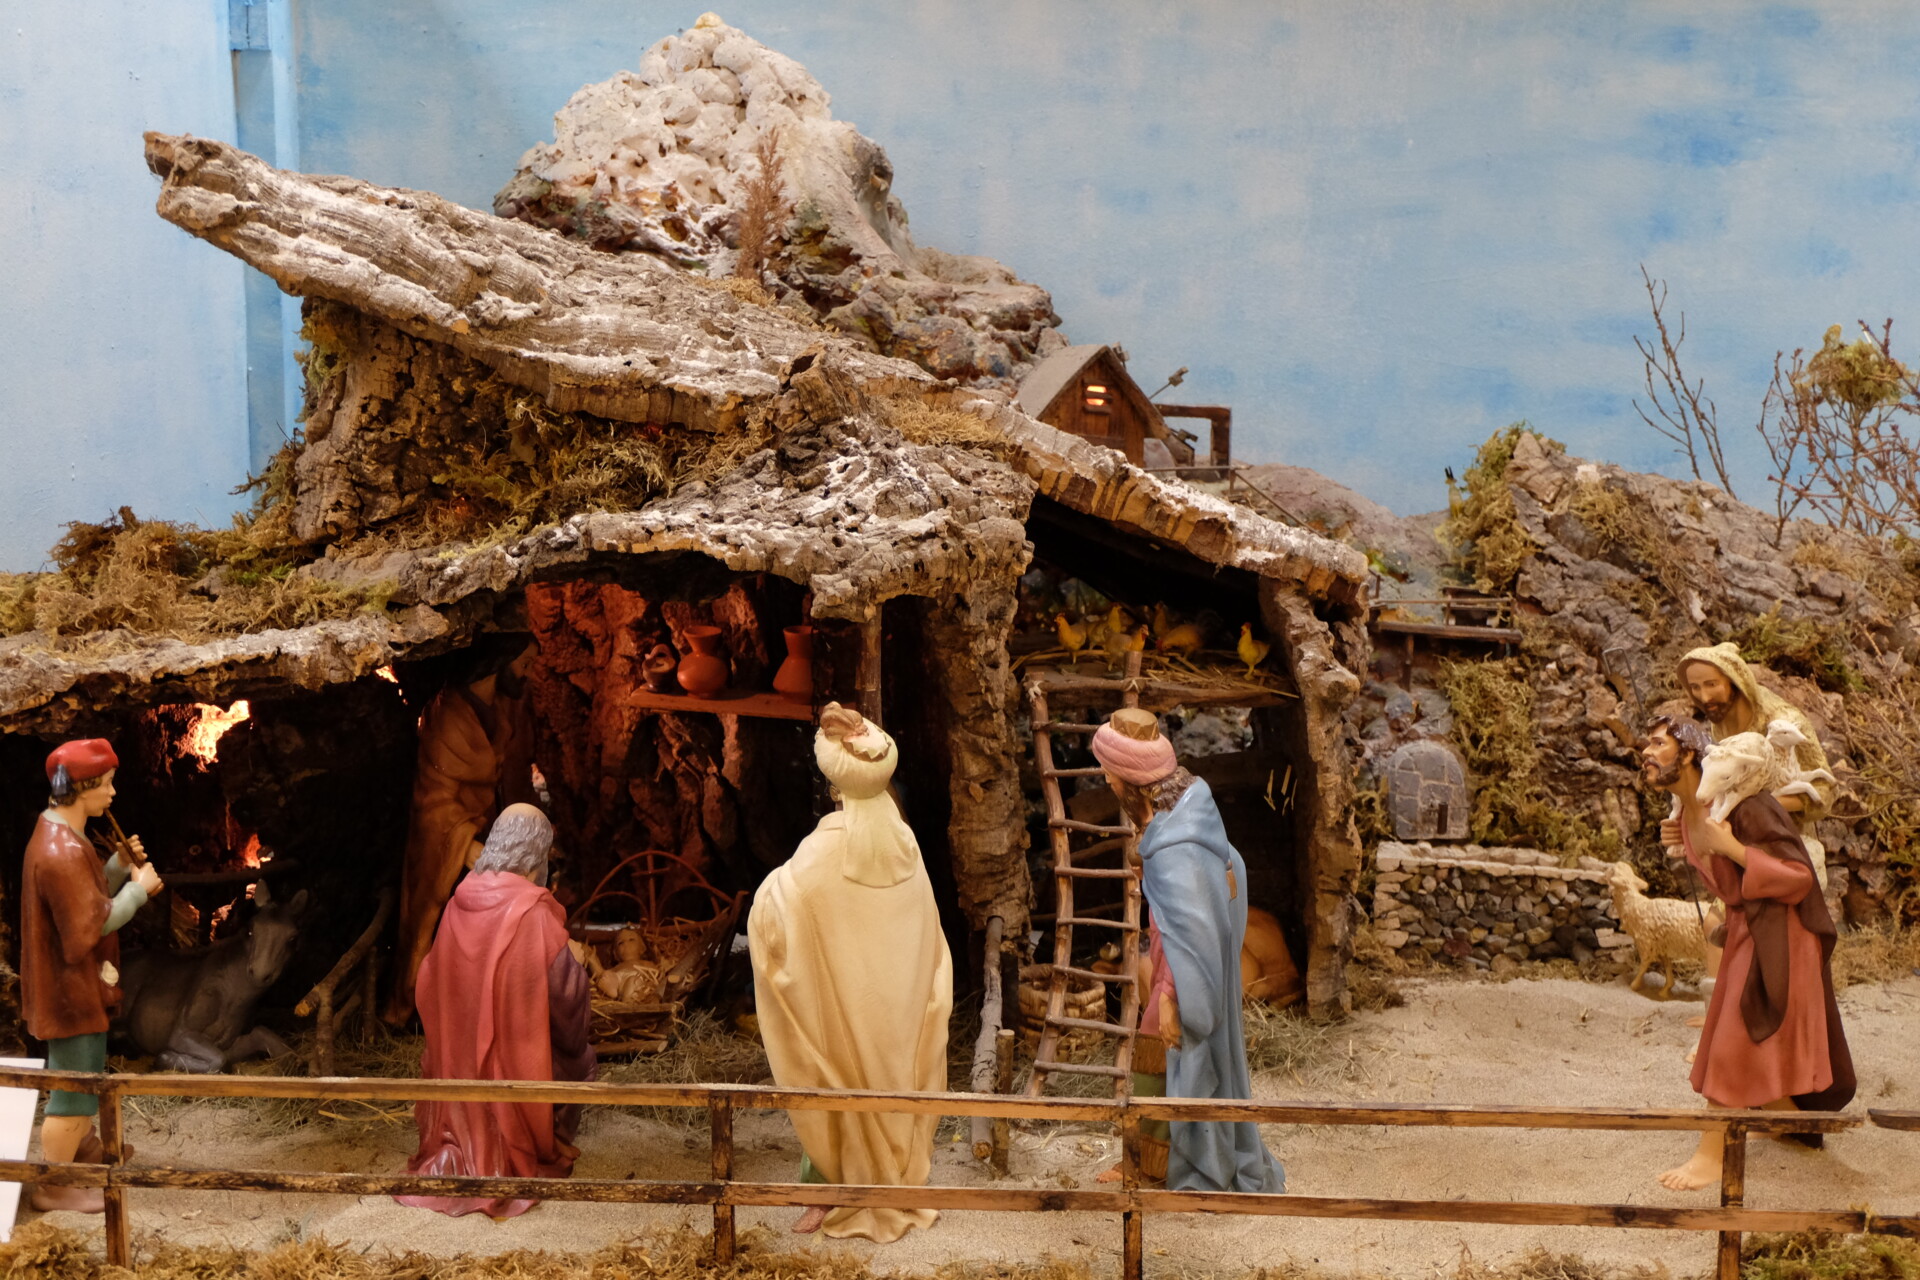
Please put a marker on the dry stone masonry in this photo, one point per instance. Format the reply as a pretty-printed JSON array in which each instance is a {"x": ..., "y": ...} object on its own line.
[{"x": 1474, "y": 905}]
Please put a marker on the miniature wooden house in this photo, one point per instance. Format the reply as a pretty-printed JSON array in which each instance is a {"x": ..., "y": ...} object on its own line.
[
  {"x": 903, "y": 554},
  {"x": 1086, "y": 391}
]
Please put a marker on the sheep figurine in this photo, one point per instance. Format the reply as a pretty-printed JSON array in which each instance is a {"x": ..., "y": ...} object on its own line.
[
  {"x": 1788, "y": 778},
  {"x": 1663, "y": 929}
]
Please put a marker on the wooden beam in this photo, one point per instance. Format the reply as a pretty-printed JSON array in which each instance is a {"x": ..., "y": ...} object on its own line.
[
  {"x": 763, "y": 706},
  {"x": 720, "y": 1111},
  {"x": 1159, "y": 695},
  {"x": 867, "y": 676},
  {"x": 118, "y": 1226},
  {"x": 1443, "y": 631}
]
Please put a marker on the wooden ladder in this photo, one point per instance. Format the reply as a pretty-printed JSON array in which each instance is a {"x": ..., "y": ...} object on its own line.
[{"x": 1070, "y": 867}]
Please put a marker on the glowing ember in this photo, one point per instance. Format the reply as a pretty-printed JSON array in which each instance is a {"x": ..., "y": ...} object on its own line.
[
  {"x": 386, "y": 673},
  {"x": 251, "y": 855},
  {"x": 203, "y": 738}
]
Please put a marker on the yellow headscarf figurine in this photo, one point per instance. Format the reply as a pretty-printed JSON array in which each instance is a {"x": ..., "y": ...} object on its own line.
[{"x": 858, "y": 758}]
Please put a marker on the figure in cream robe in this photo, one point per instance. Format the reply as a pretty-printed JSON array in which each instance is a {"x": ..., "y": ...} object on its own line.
[{"x": 852, "y": 980}]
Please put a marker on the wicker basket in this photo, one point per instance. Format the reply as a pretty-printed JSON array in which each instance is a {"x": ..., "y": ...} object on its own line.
[{"x": 1085, "y": 999}]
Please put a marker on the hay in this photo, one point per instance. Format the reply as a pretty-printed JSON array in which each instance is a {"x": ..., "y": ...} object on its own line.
[
  {"x": 923, "y": 423},
  {"x": 1875, "y": 953},
  {"x": 1308, "y": 1054},
  {"x": 162, "y": 578},
  {"x": 383, "y": 1056},
  {"x": 704, "y": 1050},
  {"x": 42, "y": 1252}
]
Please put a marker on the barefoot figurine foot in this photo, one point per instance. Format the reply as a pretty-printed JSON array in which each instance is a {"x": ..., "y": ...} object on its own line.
[
  {"x": 809, "y": 1222},
  {"x": 1701, "y": 1171},
  {"x": 1109, "y": 1175}
]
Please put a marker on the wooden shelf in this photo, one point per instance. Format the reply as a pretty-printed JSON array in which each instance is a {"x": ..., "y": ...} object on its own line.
[{"x": 764, "y": 706}]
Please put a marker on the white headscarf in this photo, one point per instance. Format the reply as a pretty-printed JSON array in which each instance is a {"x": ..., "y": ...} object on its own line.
[{"x": 879, "y": 849}]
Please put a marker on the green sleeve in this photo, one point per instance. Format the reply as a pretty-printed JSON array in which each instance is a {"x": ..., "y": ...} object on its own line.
[
  {"x": 116, "y": 874},
  {"x": 129, "y": 900}
]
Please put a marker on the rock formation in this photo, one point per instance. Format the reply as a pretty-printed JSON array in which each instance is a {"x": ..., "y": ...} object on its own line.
[{"x": 662, "y": 161}]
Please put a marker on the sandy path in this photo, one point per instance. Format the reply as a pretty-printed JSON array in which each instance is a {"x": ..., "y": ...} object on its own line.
[{"x": 1549, "y": 1043}]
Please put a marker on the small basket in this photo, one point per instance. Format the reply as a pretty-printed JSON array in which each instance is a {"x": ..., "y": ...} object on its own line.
[{"x": 1085, "y": 999}]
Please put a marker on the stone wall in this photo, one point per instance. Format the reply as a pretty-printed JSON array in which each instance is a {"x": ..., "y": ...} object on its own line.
[{"x": 1476, "y": 905}]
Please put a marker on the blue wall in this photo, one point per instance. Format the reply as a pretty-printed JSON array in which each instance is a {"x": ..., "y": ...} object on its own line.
[
  {"x": 1379, "y": 229},
  {"x": 122, "y": 361}
]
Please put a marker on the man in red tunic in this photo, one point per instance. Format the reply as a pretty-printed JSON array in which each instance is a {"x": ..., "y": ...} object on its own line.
[
  {"x": 1772, "y": 1037},
  {"x": 71, "y": 909},
  {"x": 501, "y": 998}
]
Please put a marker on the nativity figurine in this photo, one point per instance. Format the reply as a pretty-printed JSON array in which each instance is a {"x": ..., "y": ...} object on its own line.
[
  {"x": 853, "y": 982},
  {"x": 72, "y": 907},
  {"x": 502, "y": 996},
  {"x": 1772, "y": 1036},
  {"x": 1194, "y": 881},
  {"x": 475, "y": 758},
  {"x": 632, "y": 979}
]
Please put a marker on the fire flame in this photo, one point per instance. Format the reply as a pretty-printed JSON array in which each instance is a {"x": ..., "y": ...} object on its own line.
[
  {"x": 251, "y": 854},
  {"x": 386, "y": 673},
  {"x": 203, "y": 738}
]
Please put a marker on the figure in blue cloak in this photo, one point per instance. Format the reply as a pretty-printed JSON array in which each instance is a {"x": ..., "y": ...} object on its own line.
[{"x": 1195, "y": 886}]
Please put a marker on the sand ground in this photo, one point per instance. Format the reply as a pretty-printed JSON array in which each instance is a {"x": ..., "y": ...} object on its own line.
[{"x": 1550, "y": 1042}]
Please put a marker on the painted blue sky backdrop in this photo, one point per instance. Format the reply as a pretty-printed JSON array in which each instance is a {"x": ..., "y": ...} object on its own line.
[{"x": 1378, "y": 230}]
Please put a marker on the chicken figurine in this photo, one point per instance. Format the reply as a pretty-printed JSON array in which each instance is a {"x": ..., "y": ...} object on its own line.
[
  {"x": 1185, "y": 639},
  {"x": 1122, "y": 643},
  {"x": 1073, "y": 639},
  {"x": 1253, "y": 652}
]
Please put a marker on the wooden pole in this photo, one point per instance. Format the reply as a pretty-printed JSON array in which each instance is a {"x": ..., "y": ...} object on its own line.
[
  {"x": 1002, "y": 1083},
  {"x": 720, "y": 1109},
  {"x": 1132, "y": 1241},
  {"x": 991, "y": 1016},
  {"x": 867, "y": 678},
  {"x": 1733, "y": 1195},
  {"x": 119, "y": 1230}
]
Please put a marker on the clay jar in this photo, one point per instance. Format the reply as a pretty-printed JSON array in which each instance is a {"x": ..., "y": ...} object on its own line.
[
  {"x": 794, "y": 680},
  {"x": 703, "y": 672}
]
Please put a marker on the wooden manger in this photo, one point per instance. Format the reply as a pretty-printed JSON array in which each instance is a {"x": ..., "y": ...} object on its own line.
[{"x": 681, "y": 953}]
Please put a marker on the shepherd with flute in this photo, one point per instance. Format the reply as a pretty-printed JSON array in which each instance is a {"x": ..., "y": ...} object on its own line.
[{"x": 72, "y": 907}]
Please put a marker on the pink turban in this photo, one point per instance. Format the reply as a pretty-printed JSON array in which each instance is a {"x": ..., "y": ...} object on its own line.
[{"x": 1131, "y": 760}]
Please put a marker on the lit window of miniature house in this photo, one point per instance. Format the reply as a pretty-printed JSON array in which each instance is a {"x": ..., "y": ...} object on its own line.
[{"x": 1086, "y": 391}]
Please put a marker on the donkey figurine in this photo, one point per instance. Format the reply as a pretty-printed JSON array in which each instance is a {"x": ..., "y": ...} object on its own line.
[{"x": 190, "y": 1010}]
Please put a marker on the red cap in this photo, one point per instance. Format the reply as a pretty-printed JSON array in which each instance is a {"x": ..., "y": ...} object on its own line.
[{"x": 85, "y": 758}]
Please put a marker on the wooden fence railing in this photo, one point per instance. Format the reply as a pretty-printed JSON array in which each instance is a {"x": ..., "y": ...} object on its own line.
[{"x": 1132, "y": 1202}]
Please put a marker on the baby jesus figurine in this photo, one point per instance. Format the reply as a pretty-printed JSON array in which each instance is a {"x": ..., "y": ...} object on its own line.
[{"x": 632, "y": 980}]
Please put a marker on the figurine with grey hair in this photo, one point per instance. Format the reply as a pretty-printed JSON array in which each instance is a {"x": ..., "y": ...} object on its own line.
[{"x": 501, "y": 997}]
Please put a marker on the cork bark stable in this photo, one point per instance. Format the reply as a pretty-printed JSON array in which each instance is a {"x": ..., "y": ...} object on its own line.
[{"x": 460, "y": 360}]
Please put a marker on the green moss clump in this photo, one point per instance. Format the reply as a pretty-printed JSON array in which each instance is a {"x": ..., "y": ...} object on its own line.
[
  {"x": 1482, "y": 530},
  {"x": 1493, "y": 725},
  {"x": 1802, "y": 647},
  {"x": 1820, "y": 1255}
]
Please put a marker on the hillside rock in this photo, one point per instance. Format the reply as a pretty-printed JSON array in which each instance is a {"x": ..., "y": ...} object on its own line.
[{"x": 659, "y": 161}]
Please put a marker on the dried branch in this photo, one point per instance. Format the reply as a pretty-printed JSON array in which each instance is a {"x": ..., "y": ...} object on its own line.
[
  {"x": 764, "y": 211},
  {"x": 1832, "y": 425},
  {"x": 1685, "y": 413}
]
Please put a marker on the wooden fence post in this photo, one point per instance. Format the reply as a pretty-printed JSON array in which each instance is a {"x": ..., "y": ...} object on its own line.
[
  {"x": 1132, "y": 1262},
  {"x": 720, "y": 1109},
  {"x": 119, "y": 1245},
  {"x": 1003, "y": 1084},
  {"x": 1733, "y": 1195}
]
